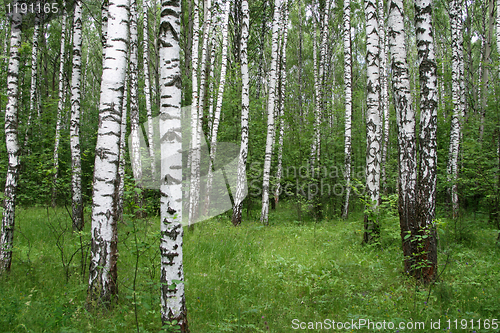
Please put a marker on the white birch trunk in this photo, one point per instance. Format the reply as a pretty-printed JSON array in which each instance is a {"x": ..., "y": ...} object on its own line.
[
  {"x": 317, "y": 107},
  {"x": 218, "y": 108},
  {"x": 194, "y": 196},
  {"x": 104, "y": 252},
  {"x": 281, "y": 113},
  {"x": 123, "y": 134},
  {"x": 348, "y": 104},
  {"x": 384, "y": 94},
  {"x": 134, "y": 100},
  {"x": 211, "y": 84},
  {"x": 373, "y": 123},
  {"x": 426, "y": 195},
  {"x": 264, "y": 218},
  {"x": 147, "y": 88},
  {"x": 34, "y": 77},
  {"x": 173, "y": 301},
  {"x": 458, "y": 102},
  {"x": 206, "y": 34},
  {"x": 405, "y": 116},
  {"x": 11, "y": 141},
  {"x": 76, "y": 168},
  {"x": 60, "y": 106},
  {"x": 245, "y": 104}
]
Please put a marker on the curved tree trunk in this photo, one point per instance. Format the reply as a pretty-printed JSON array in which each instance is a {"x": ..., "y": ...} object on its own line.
[
  {"x": 104, "y": 251},
  {"x": 245, "y": 103},
  {"x": 173, "y": 301},
  {"x": 348, "y": 104},
  {"x": 11, "y": 141},
  {"x": 270, "y": 116},
  {"x": 76, "y": 168}
]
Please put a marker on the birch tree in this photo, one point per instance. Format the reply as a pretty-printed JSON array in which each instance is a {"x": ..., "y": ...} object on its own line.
[
  {"x": 281, "y": 113},
  {"x": 458, "y": 105},
  {"x": 348, "y": 104},
  {"x": 264, "y": 218},
  {"x": 405, "y": 117},
  {"x": 60, "y": 106},
  {"x": 195, "y": 151},
  {"x": 373, "y": 123},
  {"x": 104, "y": 251},
  {"x": 384, "y": 94},
  {"x": 34, "y": 80},
  {"x": 147, "y": 87},
  {"x": 76, "y": 174},
  {"x": 218, "y": 107},
  {"x": 11, "y": 141},
  {"x": 245, "y": 106},
  {"x": 173, "y": 301},
  {"x": 426, "y": 195}
]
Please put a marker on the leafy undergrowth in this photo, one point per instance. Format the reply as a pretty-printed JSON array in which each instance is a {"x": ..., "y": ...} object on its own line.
[{"x": 252, "y": 278}]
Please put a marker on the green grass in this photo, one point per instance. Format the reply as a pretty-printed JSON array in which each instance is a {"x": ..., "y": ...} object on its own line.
[{"x": 251, "y": 278}]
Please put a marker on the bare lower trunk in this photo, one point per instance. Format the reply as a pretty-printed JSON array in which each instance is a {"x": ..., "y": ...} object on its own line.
[{"x": 348, "y": 104}]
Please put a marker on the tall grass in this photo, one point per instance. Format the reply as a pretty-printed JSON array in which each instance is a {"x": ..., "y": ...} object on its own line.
[{"x": 250, "y": 278}]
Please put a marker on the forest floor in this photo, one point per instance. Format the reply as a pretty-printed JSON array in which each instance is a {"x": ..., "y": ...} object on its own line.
[{"x": 281, "y": 278}]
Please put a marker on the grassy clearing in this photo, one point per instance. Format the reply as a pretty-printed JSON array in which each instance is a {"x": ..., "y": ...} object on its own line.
[{"x": 251, "y": 278}]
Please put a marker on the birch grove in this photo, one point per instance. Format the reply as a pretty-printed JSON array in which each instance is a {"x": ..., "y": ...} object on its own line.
[{"x": 104, "y": 251}]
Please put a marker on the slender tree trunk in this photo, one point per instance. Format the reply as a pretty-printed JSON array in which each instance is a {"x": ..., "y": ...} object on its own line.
[
  {"x": 194, "y": 197},
  {"x": 11, "y": 141},
  {"x": 458, "y": 105},
  {"x": 147, "y": 88},
  {"x": 281, "y": 113},
  {"x": 76, "y": 168},
  {"x": 60, "y": 106},
  {"x": 211, "y": 84},
  {"x": 218, "y": 108},
  {"x": 317, "y": 107},
  {"x": 373, "y": 122},
  {"x": 34, "y": 80},
  {"x": 135, "y": 127},
  {"x": 485, "y": 67},
  {"x": 264, "y": 218},
  {"x": 405, "y": 116},
  {"x": 384, "y": 94},
  {"x": 104, "y": 251},
  {"x": 245, "y": 104},
  {"x": 426, "y": 194},
  {"x": 173, "y": 301},
  {"x": 207, "y": 31},
  {"x": 348, "y": 104},
  {"x": 123, "y": 134}
]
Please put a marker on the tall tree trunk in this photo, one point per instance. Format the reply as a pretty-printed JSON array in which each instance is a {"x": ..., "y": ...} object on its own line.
[
  {"x": 245, "y": 105},
  {"x": 484, "y": 65},
  {"x": 194, "y": 196},
  {"x": 264, "y": 218},
  {"x": 76, "y": 168},
  {"x": 173, "y": 301},
  {"x": 373, "y": 122},
  {"x": 60, "y": 106},
  {"x": 458, "y": 105},
  {"x": 405, "y": 117},
  {"x": 11, "y": 141},
  {"x": 384, "y": 94},
  {"x": 34, "y": 81},
  {"x": 135, "y": 127},
  {"x": 147, "y": 88},
  {"x": 207, "y": 31},
  {"x": 123, "y": 133},
  {"x": 348, "y": 104},
  {"x": 104, "y": 251},
  {"x": 317, "y": 106},
  {"x": 218, "y": 108},
  {"x": 281, "y": 113},
  {"x": 426, "y": 194}
]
